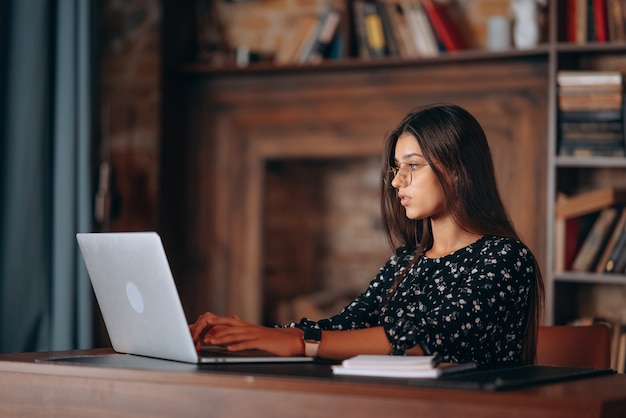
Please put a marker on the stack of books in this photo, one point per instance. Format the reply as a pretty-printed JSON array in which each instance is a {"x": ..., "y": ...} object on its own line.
[
  {"x": 591, "y": 113},
  {"x": 408, "y": 367}
]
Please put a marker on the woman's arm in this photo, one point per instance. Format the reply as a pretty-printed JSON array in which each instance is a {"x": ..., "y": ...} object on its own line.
[
  {"x": 339, "y": 345},
  {"x": 236, "y": 335}
]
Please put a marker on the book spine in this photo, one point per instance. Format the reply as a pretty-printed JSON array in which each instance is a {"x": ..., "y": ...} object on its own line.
[
  {"x": 617, "y": 260},
  {"x": 400, "y": 26},
  {"x": 443, "y": 26},
  {"x": 591, "y": 23},
  {"x": 418, "y": 26},
  {"x": 360, "y": 30},
  {"x": 326, "y": 35},
  {"x": 599, "y": 20},
  {"x": 581, "y": 21},
  {"x": 603, "y": 264},
  {"x": 594, "y": 242},
  {"x": 393, "y": 49},
  {"x": 571, "y": 20},
  {"x": 615, "y": 20},
  {"x": 374, "y": 34}
]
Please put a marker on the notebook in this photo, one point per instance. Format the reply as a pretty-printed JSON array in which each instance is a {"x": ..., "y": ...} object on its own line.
[{"x": 140, "y": 305}]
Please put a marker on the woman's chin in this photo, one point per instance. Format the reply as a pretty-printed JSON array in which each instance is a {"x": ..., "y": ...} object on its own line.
[{"x": 411, "y": 214}]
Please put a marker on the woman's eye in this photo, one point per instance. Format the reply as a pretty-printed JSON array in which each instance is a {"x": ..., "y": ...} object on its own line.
[{"x": 414, "y": 166}]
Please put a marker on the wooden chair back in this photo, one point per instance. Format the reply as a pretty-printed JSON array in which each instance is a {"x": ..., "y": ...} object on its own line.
[{"x": 574, "y": 346}]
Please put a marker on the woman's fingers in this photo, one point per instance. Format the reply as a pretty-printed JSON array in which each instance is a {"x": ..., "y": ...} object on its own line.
[{"x": 200, "y": 327}]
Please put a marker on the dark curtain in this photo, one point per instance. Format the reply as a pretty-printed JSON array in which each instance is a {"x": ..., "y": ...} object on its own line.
[{"x": 45, "y": 173}]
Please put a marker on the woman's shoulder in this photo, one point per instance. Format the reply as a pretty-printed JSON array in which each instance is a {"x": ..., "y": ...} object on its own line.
[
  {"x": 402, "y": 256},
  {"x": 502, "y": 247},
  {"x": 500, "y": 242}
]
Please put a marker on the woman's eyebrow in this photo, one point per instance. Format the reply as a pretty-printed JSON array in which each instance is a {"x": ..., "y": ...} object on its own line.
[{"x": 407, "y": 156}]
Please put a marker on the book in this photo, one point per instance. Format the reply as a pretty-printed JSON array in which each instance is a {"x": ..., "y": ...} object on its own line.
[
  {"x": 616, "y": 262},
  {"x": 419, "y": 26},
  {"x": 391, "y": 37},
  {"x": 445, "y": 29},
  {"x": 590, "y": 115},
  {"x": 588, "y": 149},
  {"x": 290, "y": 48},
  {"x": 581, "y": 21},
  {"x": 398, "y": 366},
  {"x": 374, "y": 33},
  {"x": 595, "y": 241},
  {"x": 599, "y": 20},
  {"x": 621, "y": 354},
  {"x": 327, "y": 32},
  {"x": 615, "y": 20},
  {"x": 616, "y": 333},
  {"x": 570, "y": 20},
  {"x": 567, "y": 242},
  {"x": 591, "y": 100},
  {"x": 583, "y": 77},
  {"x": 589, "y": 201},
  {"x": 400, "y": 25},
  {"x": 307, "y": 45},
  {"x": 591, "y": 23},
  {"x": 358, "y": 10},
  {"x": 607, "y": 254},
  {"x": 591, "y": 126},
  {"x": 560, "y": 238}
]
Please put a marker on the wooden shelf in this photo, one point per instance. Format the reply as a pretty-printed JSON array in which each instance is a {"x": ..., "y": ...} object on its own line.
[
  {"x": 571, "y": 48},
  {"x": 591, "y": 162},
  {"x": 469, "y": 55},
  {"x": 591, "y": 278}
]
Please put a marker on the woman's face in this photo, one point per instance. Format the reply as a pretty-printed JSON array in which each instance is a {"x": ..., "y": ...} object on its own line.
[{"x": 417, "y": 185}]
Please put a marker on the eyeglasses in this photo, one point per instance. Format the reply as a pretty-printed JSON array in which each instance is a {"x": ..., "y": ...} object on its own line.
[{"x": 404, "y": 172}]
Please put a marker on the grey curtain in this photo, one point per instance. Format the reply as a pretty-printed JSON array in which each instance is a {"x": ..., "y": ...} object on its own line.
[{"x": 45, "y": 171}]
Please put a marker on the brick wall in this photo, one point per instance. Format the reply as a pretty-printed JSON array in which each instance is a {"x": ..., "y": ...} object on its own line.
[{"x": 130, "y": 109}]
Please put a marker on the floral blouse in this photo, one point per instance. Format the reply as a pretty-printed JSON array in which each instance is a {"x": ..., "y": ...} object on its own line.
[{"x": 470, "y": 305}]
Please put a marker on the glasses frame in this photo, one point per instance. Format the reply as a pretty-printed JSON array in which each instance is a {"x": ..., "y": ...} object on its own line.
[{"x": 405, "y": 175}]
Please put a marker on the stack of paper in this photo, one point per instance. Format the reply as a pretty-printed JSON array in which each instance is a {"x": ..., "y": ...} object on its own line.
[{"x": 397, "y": 366}]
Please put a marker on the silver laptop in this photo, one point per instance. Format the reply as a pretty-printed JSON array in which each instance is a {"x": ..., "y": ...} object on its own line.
[{"x": 142, "y": 312}]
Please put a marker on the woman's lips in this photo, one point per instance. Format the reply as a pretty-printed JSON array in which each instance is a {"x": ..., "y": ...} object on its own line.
[{"x": 404, "y": 199}]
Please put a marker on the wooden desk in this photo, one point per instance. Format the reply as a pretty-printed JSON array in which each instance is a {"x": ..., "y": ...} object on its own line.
[{"x": 41, "y": 389}]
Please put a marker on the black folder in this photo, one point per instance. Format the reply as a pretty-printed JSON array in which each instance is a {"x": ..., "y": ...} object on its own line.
[{"x": 487, "y": 379}]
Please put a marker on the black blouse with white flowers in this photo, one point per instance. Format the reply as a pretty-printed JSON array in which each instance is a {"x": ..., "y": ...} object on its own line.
[{"x": 470, "y": 305}]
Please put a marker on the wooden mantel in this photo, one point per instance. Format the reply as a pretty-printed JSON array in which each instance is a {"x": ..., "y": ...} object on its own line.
[{"x": 221, "y": 127}]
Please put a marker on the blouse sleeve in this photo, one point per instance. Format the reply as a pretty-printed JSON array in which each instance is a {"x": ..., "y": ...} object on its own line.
[
  {"x": 479, "y": 316},
  {"x": 363, "y": 312}
]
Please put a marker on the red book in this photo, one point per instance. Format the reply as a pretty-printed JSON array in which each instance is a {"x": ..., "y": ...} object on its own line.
[
  {"x": 572, "y": 244},
  {"x": 570, "y": 13},
  {"x": 445, "y": 28},
  {"x": 599, "y": 20}
]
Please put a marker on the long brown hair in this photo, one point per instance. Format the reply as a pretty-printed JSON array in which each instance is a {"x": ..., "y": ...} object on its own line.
[{"x": 451, "y": 137}]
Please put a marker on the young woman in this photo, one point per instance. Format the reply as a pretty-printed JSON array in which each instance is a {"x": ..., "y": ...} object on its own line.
[{"x": 460, "y": 285}]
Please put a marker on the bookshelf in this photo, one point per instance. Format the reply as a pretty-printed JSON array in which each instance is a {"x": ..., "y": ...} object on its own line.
[
  {"x": 209, "y": 107},
  {"x": 573, "y": 294}
]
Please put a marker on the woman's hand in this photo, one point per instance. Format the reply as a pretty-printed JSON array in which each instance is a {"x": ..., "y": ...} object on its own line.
[{"x": 236, "y": 335}]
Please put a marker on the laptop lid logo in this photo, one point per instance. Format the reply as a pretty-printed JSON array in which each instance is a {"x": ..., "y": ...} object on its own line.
[{"x": 134, "y": 297}]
